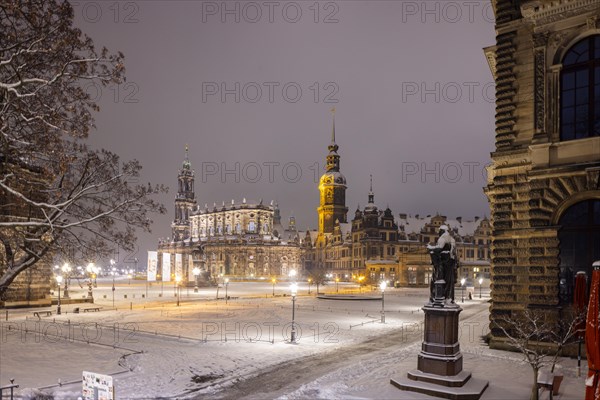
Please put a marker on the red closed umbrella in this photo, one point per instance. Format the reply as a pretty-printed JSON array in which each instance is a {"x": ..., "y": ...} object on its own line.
[
  {"x": 592, "y": 337},
  {"x": 579, "y": 301}
]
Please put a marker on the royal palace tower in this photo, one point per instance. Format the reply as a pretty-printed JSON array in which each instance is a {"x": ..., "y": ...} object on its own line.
[{"x": 332, "y": 189}]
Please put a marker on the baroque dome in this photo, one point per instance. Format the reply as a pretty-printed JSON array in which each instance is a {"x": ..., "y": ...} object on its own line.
[{"x": 333, "y": 177}]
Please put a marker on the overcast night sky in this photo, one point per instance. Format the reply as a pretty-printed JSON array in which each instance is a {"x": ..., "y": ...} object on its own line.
[{"x": 369, "y": 59}]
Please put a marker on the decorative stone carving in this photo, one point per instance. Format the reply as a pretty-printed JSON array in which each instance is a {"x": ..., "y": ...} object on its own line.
[
  {"x": 593, "y": 178},
  {"x": 540, "y": 39},
  {"x": 557, "y": 38}
]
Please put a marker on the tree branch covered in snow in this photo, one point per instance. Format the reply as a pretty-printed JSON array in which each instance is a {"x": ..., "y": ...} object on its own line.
[
  {"x": 539, "y": 338},
  {"x": 56, "y": 195}
]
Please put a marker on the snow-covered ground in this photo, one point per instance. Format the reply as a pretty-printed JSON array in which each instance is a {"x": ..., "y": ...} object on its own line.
[{"x": 206, "y": 348}]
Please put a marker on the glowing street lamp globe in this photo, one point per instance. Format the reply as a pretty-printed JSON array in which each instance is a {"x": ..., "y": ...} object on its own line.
[
  {"x": 294, "y": 289},
  {"x": 383, "y": 285}
]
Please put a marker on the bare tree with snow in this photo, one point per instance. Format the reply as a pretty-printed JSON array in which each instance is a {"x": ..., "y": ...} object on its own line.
[{"x": 57, "y": 195}]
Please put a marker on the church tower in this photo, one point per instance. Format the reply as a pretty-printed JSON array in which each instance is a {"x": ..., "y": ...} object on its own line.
[
  {"x": 185, "y": 202},
  {"x": 332, "y": 188}
]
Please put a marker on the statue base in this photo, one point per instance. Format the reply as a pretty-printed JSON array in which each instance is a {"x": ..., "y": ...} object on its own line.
[{"x": 439, "y": 370}]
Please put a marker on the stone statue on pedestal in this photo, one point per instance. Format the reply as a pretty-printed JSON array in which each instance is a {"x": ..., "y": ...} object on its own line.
[{"x": 444, "y": 261}]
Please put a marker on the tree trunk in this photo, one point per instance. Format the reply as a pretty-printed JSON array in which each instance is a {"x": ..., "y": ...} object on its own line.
[{"x": 534, "y": 389}]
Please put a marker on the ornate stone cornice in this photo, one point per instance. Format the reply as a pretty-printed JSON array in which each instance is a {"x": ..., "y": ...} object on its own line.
[
  {"x": 545, "y": 12},
  {"x": 490, "y": 56}
]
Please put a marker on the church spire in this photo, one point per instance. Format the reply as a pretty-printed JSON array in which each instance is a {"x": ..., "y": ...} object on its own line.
[
  {"x": 186, "y": 162},
  {"x": 371, "y": 194},
  {"x": 333, "y": 159},
  {"x": 333, "y": 129}
]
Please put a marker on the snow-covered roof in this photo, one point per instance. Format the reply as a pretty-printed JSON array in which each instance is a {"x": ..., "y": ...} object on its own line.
[
  {"x": 243, "y": 205},
  {"x": 313, "y": 236},
  {"x": 345, "y": 227},
  {"x": 416, "y": 224}
]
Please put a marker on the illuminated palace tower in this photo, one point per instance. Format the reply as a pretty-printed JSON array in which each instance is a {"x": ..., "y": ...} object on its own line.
[
  {"x": 185, "y": 202},
  {"x": 332, "y": 188}
]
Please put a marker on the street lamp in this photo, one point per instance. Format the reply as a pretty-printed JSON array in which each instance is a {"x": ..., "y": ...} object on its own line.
[
  {"x": 196, "y": 272},
  {"x": 90, "y": 271},
  {"x": 462, "y": 288},
  {"x": 113, "y": 271},
  {"x": 273, "y": 280},
  {"x": 480, "y": 282},
  {"x": 174, "y": 284},
  {"x": 226, "y": 286},
  {"x": 58, "y": 281},
  {"x": 95, "y": 271},
  {"x": 336, "y": 285},
  {"x": 177, "y": 282},
  {"x": 360, "y": 279},
  {"x": 309, "y": 282},
  {"x": 294, "y": 291},
  {"x": 66, "y": 269},
  {"x": 382, "y": 286},
  {"x": 293, "y": 274}
]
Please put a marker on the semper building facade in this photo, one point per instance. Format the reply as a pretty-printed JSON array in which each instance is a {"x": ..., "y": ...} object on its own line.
[{"x": 544, "y": 181}]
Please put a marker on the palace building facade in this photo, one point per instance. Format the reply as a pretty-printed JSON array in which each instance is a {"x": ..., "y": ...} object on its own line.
[
  {"x": 543, "y": 184},
  {"x": 248, "y": 241},
  {"x": 374, "y": 246}
]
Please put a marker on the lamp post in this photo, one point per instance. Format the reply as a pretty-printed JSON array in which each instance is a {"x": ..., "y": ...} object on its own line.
[
  {"x": 273, "y": 280},
  {"x": 462, "y": 288},
  {"x": 58, "y": 281},
  {"x": 66, "y": 269},
  {"x": 480, "y": 282},
  {"x": 90, "y": 270},
  {"x": 177, "y": 282},
  {"x": 113, "y": 272},
  {"x": 382, "y": 286},
  {"x": 294, "y": 291},
  {"x": 196, "y": 272},
  {"x": 95, "y": 276},
  {"x": 309, "y": 282},
  {"x": 336, "y": 285},
  {"x": 226, "y": 286}
]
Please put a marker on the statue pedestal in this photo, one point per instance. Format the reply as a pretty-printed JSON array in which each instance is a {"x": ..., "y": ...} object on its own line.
[{"x": 439, "y": 370}]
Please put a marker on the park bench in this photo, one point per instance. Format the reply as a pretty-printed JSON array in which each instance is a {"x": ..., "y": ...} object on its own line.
[
  {"x": 38, "y": 313},
  {"x": 550, "y": 382},
  {"x": 91, "y": 309}
]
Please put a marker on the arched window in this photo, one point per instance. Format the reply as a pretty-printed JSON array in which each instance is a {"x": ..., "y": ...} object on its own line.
[
  {"x": 579, "y": 238},
  {"x": 580, "y": 90}
]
